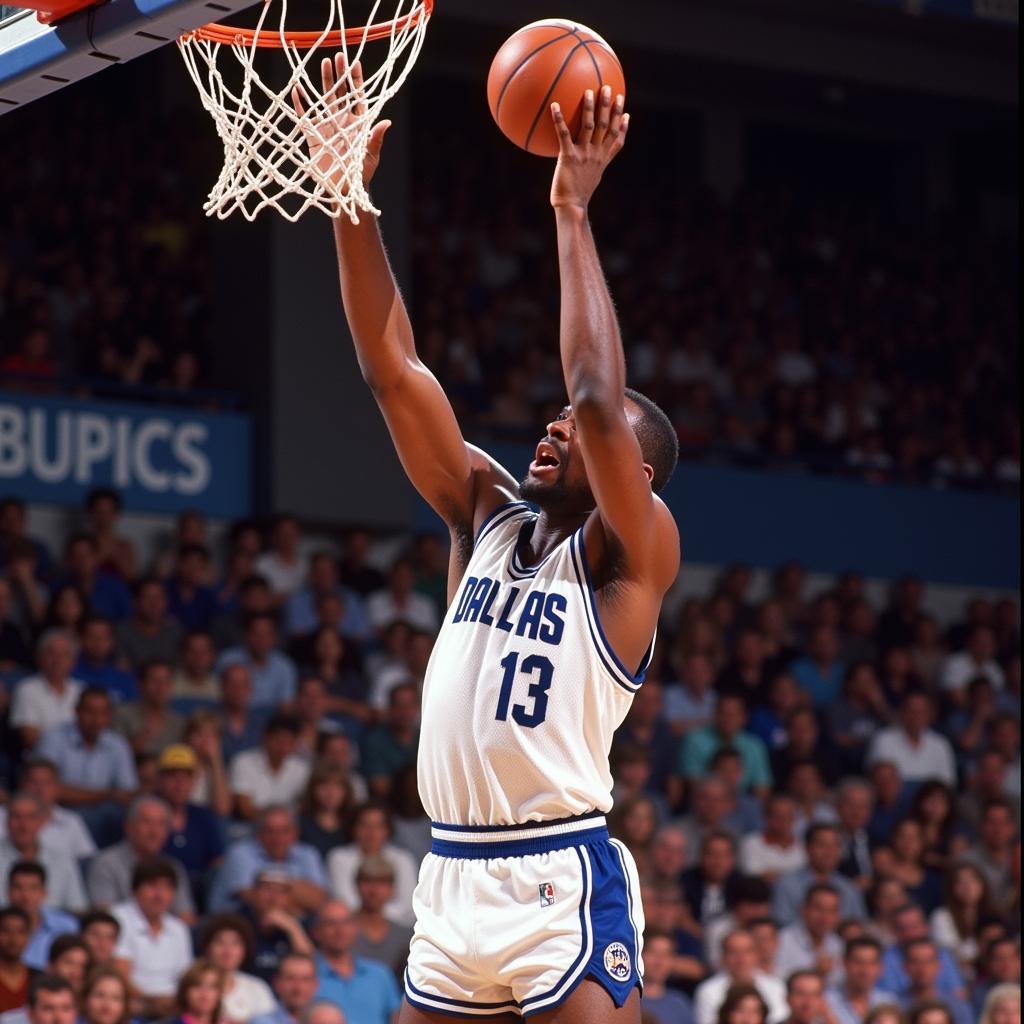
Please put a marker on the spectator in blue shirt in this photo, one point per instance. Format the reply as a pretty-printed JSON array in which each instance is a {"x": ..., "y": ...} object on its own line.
[
  {"x": 911, "y": 925},
  {"x": 364, "y": 989},
  {"x": 923, "y": 968},
  {"x": 820, "y": 673},
  {"x": 274, "y": 676},
  {"x": 26, "y": 890},
  {"x": 196, "y": 838},
  {"x": 107, "y": 595},
  {"x": 824, "y": 854},
  {"x": 727, "y": 730},
  {"x": 95, "y": 764},
  {"x": 295, "y": 983},
  {"x": 276, "y": 846},
  {"x": 665, "y": 1005},
  {"x": 189, "y": 599},
  {"x": 96, "y": 665},
  {"x": 301, "y": 609},
  {"x": 242, "y": 724}
]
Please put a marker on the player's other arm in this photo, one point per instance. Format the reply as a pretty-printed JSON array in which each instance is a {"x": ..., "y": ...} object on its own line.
[
  {"x": 457, "y": 480},
  {"x": 591, "y": 347}
]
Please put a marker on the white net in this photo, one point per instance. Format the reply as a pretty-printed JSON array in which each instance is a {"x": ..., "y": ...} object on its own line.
[{"x": 266, "y": 139}]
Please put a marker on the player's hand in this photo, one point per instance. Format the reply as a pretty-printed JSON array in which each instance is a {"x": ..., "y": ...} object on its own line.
[
  {"x": 581, "y": 161},
  {"x": 326, "y": 125}
]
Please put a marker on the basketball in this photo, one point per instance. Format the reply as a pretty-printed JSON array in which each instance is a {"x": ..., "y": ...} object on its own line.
[{"x": 551, "y": 61}]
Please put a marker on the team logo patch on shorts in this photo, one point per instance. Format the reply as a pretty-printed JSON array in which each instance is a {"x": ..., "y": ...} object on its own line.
[
  {"x": 547, "y": 894},
  {"x": 617, "y": 962}
]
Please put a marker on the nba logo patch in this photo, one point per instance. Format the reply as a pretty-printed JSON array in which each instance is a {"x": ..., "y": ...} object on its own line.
[
  {"x": 547, "y": 894},
  {"x": 617, "y": 962}
]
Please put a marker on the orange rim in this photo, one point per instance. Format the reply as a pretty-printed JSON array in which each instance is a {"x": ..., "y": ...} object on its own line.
[{"x": 231, "y": 34}]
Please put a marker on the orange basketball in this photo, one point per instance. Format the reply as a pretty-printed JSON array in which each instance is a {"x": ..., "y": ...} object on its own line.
[{"x": 551, "y": 61}]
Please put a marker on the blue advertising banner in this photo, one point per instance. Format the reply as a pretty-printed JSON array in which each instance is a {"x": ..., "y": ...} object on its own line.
[{"x": 55, "y": 449}]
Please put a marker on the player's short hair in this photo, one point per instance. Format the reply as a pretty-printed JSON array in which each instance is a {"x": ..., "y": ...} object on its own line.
[{"x": 659, "y": 443}]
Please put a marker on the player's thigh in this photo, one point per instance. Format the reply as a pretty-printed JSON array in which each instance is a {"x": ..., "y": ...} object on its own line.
[
  {"x": 410, "y": 1015},
  {"x": 591, "y": 1004}
]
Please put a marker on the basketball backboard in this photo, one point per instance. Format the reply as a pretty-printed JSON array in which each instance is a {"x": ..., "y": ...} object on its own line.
[{"x": 37, "y": 59}]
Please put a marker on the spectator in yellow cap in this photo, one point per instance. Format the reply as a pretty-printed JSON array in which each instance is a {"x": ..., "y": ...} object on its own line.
[{"x": 196, "y": 837}]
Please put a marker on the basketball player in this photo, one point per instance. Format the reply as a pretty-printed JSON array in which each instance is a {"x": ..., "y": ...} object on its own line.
[{"x": 525, "y": 907}]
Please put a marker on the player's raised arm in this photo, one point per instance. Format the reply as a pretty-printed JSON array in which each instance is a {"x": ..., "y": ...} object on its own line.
[
  {"x": 591, "y": 346},
  {"x": 456, "y": 479}
]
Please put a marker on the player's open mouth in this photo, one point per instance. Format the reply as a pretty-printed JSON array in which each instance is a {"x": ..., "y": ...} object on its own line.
[{"x": 545, "y": 461}]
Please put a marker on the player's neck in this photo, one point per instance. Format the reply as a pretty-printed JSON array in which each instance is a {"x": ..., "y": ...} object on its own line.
[{"x": 551, "y": 528}]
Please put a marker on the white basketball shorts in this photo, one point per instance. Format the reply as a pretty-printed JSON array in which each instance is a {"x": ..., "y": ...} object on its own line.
[{"x": 513, "y": 918}]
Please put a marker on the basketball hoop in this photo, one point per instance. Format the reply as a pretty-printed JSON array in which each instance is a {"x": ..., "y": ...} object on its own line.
[{"x": 266, "y": 161}]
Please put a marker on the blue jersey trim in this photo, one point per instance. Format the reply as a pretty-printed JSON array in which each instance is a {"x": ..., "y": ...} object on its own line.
[
  {"x": 615, "y": 668},
  {"x": 518, "y": 827},
  {"x": 509, "y": 507},
  {"x": 517, "y": 847}
]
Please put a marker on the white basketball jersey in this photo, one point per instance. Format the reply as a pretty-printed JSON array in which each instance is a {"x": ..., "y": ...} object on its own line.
[{"x": 522, "y": 694}]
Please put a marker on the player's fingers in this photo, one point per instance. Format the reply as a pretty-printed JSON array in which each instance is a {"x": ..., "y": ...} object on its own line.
[
  {"x": 586, "y": 132},
  {"x": 604, "y": 115},
  {"x": 377, "y": 138},
  {"x": 620, "y": 141},
  {"x": 359, "y": 106},
  {"x": 300, "y": 108},
  {"x": 561, "y": 129},
  {"x": 327, "y": 75},
  {"x": 615, "y": 125}
]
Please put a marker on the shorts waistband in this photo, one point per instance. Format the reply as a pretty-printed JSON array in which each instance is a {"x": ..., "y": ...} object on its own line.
[{"x": 482, "y": 842}]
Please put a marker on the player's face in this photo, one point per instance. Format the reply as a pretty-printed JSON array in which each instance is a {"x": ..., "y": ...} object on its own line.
[{"x": 557, "y": 477}]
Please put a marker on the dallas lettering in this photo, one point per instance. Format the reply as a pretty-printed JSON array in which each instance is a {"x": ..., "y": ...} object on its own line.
[{"x": 539, "y": 617}]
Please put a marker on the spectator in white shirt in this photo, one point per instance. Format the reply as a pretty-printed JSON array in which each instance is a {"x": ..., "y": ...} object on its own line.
[
  {"x": 284, "y": 566},
  {"x": 62, "y": 829},
  {"x": 25, "y": 818},
  {"x": 811, "y": 944},
  {"x": 272, "y": 773},
  {"x": 917, "y": 751},
  {"x": 979, "y": 659},
  {"x": 776, "y": 849},
  {"x": 371, "y": 836},
  {"x": 399, "y": 601},
  {"x": 228, "y": 942},
  {"x": 739, "y": 960},
  {"x": 154, "y": 948},
  {"x": 48, "y": 699}
]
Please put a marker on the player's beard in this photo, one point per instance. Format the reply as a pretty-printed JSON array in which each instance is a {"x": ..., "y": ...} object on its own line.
[{"x": 544, "y": 495}]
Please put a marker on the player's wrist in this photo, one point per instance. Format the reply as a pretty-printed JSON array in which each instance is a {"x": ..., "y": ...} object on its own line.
[{"x": 571, "y": 209}]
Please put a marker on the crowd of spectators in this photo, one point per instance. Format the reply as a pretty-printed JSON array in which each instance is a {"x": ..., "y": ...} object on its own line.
[
  {"x": 804, "y": 332},
  {"x": 801, "y": 332},
  {"x": 104, "y": 281},
  {"x": 211, "y": 805}
]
